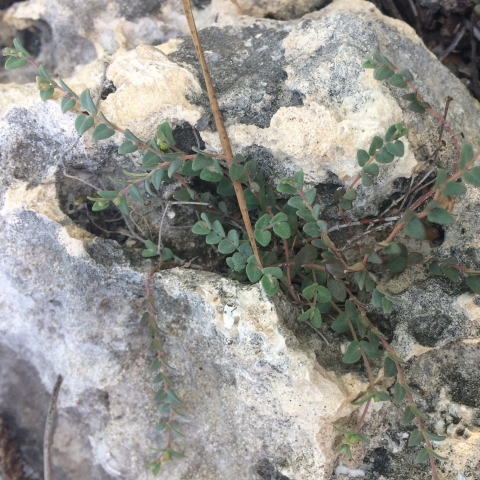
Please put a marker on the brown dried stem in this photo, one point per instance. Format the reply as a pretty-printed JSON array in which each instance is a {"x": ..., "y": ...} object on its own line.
[{"x": 222, "y": 131}]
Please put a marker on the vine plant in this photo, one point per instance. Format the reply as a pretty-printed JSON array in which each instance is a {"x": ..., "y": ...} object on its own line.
[{"x": 282, "y": 242}]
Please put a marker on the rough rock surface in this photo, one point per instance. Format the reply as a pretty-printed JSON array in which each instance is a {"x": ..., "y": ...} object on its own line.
[
  {"x": 64, "y": 34},
  {"x": 71, "y": 306},
  {"x": 260, "y": 392}
]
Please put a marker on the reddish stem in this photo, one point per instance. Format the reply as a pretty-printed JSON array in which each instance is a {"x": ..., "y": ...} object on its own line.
[{"x": 362, "y": 418}]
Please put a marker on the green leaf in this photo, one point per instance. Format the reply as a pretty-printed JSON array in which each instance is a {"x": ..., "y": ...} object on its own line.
[
  {"x": 108, "y": 194},
  {"x": 123, "y": 206},
  {"x": 395, "y": 357},
  {"x": 310, "y": 195},
  {"x": 363, "y": 400},
  {"x": 369, "y": 64},
  {"x": 263, "y": 237},
  {"x": 454, "y": 188},
  {"x": 20, "y": 47},
  {"x": 214, "y": 239},
  {"x": 279, "y": 217},
  {"x": 416, "y": 438},
  {"x": 353, "y": 353},
  {"x": 432, "y": 436},
  {"x": 345, "y": 204},
  {"x": 253, "y": 272},
  {"x": 69, "y": 90},
  {"x": 390, "y": 368},
  {"x": 337, "y": 289},
  {"x": 382, "y": 72},
  {"x": 200, "y": 162},
  {"x": 387, "y": 305},
  {"x": 408, "y": 416},
  {"x": 440, "y": 216},
  {"x": 251, "y": 167},
  {"x": 382, "y": 397},
  {"x": 226, "y": 247},
  {"x": 340, "y": 325},
  {"x": 472, "y": 177},
  {"x": 46, "y": 94},
  {"x": 474, "y": 284},
  {"x": 416, "y": 106},
  {"x": 372, "y": 169},
  {"x": 362, "y": 157},
  {"x": 418, "y": 413},
  {"x": 157, "y": 177},
  {"x": 305, "y": 215},
  {"x": 83, "y": 123},
  {"x": 282, "y": 229},
  {"x": 380, "y": 58},
  {"x": 130, "y": 136},
  {"x": 398, "y": 81},
  {"x": 275, "y": 271},
  {"x": 176, "y": 454},
  {"x": 172, "y": 396},
  {"x": 236, "y": 171},
  {"x": 234, "y": 238},
  {"x": 406, "y": 74},
  {"x": 67, "y": 104},
  {"x": 452, "y": 273},
  {"x": 441, "y": 177},
  {"x": 100, "y": 205},
  {"x": 127, "y": 147},
  {"x": 323, "y": 295},
  {"x": 43, "y": 74},
  {"x": 298, "y": 177},
  {"x": 174, "y": 166},
  {"x": 307, "y": 254},
  {"x": 366, "y": 180},
  {"x": 436, "y": 455},
  {"x": 135, "y": 193},
  {"x": 87, "y": 102},
  {"x": 377, "y": 142},
  {"x": 287, "y": 185},
  {"x": 397, "y": 265},
  {"x": 270, "y": 285},
  {"x": 399, "y": 392},
  {"x": 397, "y": 149},
  {"x": 209, "y": 176},
  {"x": 371, "y": 351},
  {"x": 167, "y": 132},
  {"x": 218, "y": 227},
  {"x": 466, "y": 154},
  {"x": 414, "y": 229},
  {"x": 384, "y": 156},
  {"x": 346, "y": 449},
  {"x": 316, "y": 319},
  {"x": 201, "y": 228},
  {"x": 350, "y": 195},
  {"x": 296, "y": 202},
  {"x": 14, "y": 62},
  {"x": 390, "y": 132},
  {"x": 161, "y": 395},
  {"x": 309, "y": 291},
  {"x": 262, "y": 222},
  {"x": 101, "y": 132},
  {"x": 422, "y": 456},
  {"x": 155, "y": 364}
]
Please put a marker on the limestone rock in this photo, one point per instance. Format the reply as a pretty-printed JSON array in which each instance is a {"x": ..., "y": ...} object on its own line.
[
  {"x": 71, "y": 306},
  {"x": 65, "y": 34},
  {"x": 260, "y": 392}
]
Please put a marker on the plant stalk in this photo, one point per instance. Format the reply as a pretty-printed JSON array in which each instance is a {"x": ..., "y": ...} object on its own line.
[{"x": 222, "y": 131}]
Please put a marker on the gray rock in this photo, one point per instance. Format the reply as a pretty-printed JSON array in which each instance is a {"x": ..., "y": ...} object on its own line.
[{"x": 260, "y": 392}]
